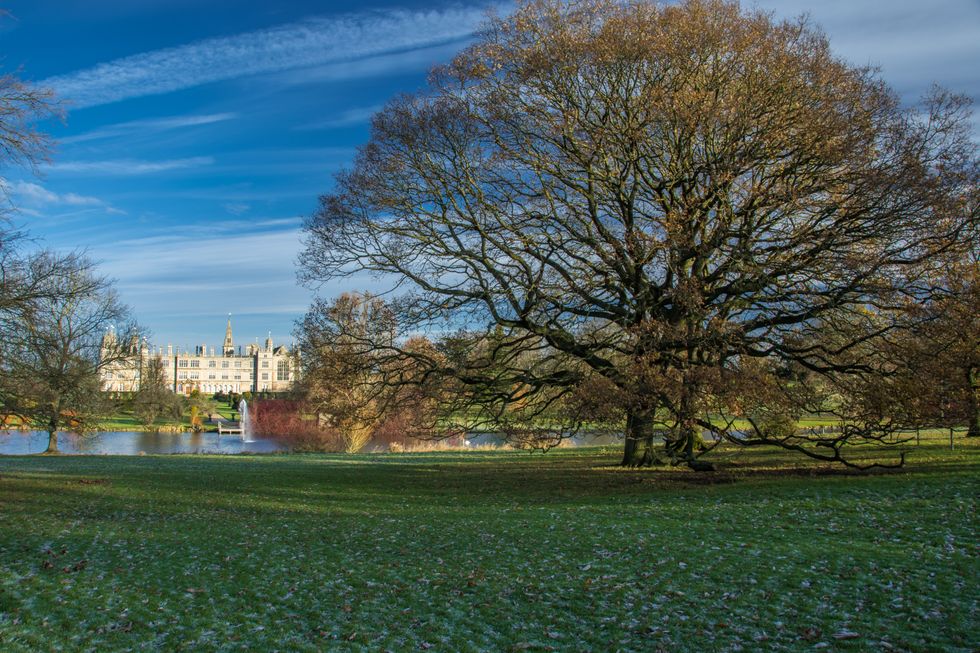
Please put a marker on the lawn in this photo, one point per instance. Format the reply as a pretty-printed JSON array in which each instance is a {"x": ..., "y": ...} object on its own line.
[
  {"x": 124, "y": 420},
  {"x": 487, "y": 551}
]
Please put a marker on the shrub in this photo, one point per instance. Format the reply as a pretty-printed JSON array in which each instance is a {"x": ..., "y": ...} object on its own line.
[{"x": 288, "y": 422}]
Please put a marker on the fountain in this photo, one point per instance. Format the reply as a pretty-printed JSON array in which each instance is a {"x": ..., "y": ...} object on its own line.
[{"x": 246, "y": 422}]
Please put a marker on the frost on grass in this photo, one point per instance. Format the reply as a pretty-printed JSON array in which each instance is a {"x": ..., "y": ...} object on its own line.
[{"x": 478, "y": 554}]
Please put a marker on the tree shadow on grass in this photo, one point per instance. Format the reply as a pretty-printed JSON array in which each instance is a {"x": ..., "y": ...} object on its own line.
[{"x": 397, "y": 483}]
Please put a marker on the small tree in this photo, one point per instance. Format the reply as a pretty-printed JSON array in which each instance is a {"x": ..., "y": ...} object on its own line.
[
  {"x": 154, "y": 398},
  {"x": 198, "y": 404},
  {"x": 52, "y": 352},
  {"x": 341, "y": 379}
]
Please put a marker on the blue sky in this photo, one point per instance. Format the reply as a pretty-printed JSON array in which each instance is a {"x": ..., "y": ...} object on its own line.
[{"x": 200, "y": 133}]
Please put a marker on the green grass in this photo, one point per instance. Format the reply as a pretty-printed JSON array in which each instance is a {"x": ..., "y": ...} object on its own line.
[
  {"x": 487, "y": 551},
  {"x": 124, "y": 420}
]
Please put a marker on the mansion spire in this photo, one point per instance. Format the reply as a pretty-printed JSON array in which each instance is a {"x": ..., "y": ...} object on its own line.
[{"x": 229, "y": 347}]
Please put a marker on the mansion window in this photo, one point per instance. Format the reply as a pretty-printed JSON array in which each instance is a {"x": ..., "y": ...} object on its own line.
[
  {"x": 265, "y": 363},
  {"x": 195, "y": 375},
  {"x": 282, "y": 371},
  {"x": 265, "y": 376},
  {"x": 195, "y": 363},
  {"x": 181, "y": 363},
  {"x": 182, "y": 375},
  {"x": 211, "y": 376},
  {"x": 211, "y": 363},
  {"x": 224, "y": 376},
  {"x": 224, "y": 363},
  {"x": 238, "y": 363}
]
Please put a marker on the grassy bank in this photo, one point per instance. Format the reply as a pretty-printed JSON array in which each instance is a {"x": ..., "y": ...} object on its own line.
[
  {"x": 124, "y": 420},
  {"x": 486, "y": 551}
]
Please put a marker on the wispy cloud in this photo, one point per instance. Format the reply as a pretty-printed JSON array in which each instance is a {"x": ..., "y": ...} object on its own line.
[
  {"x": 224, "y": 270},
  {"x": 149, "y": 125},
  {"x": 236, "y": 208},
  {"x": 296, "y": 45},
  {"x": 132, "y": 166},
  {"x": 38, "y": 194},
  {"x": 354, "y": 116},
  {"x": 29, "y": 194},
  {"x": 374, "y": 66},
  {"x": 214, "y": 259},
  {"x": 915, "y": 43}
]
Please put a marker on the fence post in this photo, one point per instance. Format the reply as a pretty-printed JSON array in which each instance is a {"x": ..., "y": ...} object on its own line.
[{"x": 950, "y": 438}]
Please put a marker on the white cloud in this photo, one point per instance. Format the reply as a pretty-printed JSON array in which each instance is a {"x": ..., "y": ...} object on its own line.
[
  {"x": 379, "y": 66},
  {"x": 74, "y": 199},
  {"x": 236, "y": 208},
  {"x": 149, "y": 125},
  {"x": 303, "y": 44},
  {"x": 222, "y": 256},
  {"x": 226, "y": 269},
  {"x": 914, "y": 43},
  {"x": 132, "y": 166},
  {"x": 346, "y": 118},
  {"x": 35, "y": 195}
]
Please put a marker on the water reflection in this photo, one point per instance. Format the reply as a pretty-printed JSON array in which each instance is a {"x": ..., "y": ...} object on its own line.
[{"x": 133, "y": 443}]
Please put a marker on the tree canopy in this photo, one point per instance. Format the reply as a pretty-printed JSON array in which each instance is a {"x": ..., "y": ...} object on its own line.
[{"x": 660, "y": 200}]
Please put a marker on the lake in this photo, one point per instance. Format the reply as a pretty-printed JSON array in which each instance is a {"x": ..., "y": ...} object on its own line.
[{"x": 134, "y": 443}]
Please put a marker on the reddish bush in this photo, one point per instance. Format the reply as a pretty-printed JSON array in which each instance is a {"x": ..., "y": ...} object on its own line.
[{"x": 290, "y": 422}]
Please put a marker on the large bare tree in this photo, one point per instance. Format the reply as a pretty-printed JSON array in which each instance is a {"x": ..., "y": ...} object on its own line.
[{"x": 644, "y": 196}]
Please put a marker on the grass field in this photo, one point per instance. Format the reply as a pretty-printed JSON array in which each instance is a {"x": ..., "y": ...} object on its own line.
[
  {"x": 124, "y": 420},
  {"x": 487, "y": 551}
]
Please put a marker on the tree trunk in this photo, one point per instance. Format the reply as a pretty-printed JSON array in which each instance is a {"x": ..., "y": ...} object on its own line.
[
  {"x": 694, "y": 442},
  {"x": 689, "y": 441},
  {"x": 52, "y": 440},
  {"x": 639, "y": 430},
  {"x": 973, "y": 404}
]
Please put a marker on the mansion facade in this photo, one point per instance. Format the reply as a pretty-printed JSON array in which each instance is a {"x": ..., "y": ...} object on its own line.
[{"x": 257, "y": 369}]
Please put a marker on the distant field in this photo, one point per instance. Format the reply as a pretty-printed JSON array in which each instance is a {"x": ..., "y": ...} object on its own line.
[{"x": 487, "y": 551}]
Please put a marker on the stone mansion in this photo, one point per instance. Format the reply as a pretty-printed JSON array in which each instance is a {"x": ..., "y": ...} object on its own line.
[{"x": 266, "y": 369}]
